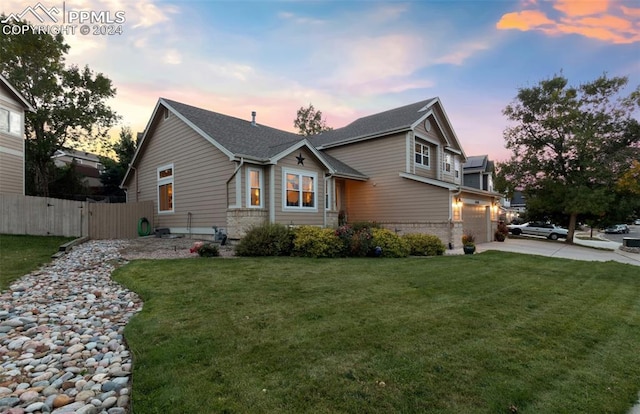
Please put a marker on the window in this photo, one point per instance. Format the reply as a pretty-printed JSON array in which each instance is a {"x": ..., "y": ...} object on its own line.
[
  {"x": 301, "y": 189},
  {"x": 165, "y": 189},
  {"x": 457, "y": 167},
  {"x": 254, "y": 188},
  {"x": 4, "y": 120},
  {"x": 10, "y": 122},
  {"x": 446, "y": 164},
  {"x": 15, "y": 123},
  {"x": 422, "y": 155}
]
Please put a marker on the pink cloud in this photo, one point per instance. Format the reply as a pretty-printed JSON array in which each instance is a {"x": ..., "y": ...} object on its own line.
[{"x": 601, "y": 20}]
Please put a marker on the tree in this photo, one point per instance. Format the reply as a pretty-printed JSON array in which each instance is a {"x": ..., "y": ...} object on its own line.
[
  {"x": 69, "y": 102},
  {"x": 115, "y": 170},
  {"x": 309, "y": 121},
  {"x": 570, "y": 145}
]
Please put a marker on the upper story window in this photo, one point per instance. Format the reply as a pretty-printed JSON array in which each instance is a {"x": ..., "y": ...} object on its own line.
[
  {"x": 446, "y": 163},
  {"x": 422, "y": 155},
  {"x": 165, "y": 189},
  {"x": 10, "y": 121},
  {"x": 456, "y": 167},
  {"x": 301, "y": 189},
  {"x": 254, "y": 188}
]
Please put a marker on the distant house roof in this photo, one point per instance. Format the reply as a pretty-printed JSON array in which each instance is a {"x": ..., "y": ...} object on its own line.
[
  {"x": 518, "y": 199},
  {"x": 382, "y": 123},
  {"x": 17, "y": 95},
  {"x": 477, "y": 163},
  {"x": 83, "y": 155}
]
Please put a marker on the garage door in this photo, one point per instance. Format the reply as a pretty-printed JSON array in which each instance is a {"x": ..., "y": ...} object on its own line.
[{"x": 475, "y": 220}]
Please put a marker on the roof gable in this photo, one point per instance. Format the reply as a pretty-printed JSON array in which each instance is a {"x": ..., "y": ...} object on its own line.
[
  {"x": 16, "y": 95},
  {"x": 382, "y": 123},
  {"x": 404, "y": 118}
]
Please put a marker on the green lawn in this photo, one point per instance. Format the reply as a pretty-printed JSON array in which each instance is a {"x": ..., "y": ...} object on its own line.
[
  {"x": 20, "y": 255},
  {"x": 489, "y": 333}
]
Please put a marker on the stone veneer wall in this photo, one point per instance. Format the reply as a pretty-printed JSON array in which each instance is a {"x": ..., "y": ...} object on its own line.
[
  {"x": 239, "y": 221},
  {"x": 447, "y": 231}
]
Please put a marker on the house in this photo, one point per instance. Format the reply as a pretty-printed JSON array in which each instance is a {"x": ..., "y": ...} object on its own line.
[
  {"x": 12, "y": 145},
  {"x": 478, "y": 172},
  {"x": 401, "y": 168},
  {"x": 85, "y": 163}
]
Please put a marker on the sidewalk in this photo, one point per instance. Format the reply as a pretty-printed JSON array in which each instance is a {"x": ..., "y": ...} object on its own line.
[{"x": 587, "y": 250}]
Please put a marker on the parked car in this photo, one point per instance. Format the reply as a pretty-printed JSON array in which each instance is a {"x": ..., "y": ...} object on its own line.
[
  {"x": 637, "y": 222},
  {"x": 550, "y": 231},
  {"x": 617, "y": 228}
]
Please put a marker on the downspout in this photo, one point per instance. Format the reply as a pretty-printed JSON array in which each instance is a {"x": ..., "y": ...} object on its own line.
[
  {"x": 326, "y": 190},
  {"x": 231, "y": 178}
]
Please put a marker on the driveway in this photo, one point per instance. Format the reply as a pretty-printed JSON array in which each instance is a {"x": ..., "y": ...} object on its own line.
[{"x": 560, "y": 249}]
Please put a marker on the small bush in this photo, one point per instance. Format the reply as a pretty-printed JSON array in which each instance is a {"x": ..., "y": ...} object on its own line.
[
  {"x": 270, "y": 239},
  {"x": 311, "y": 241},
  {"x": 392, "y": 245},
  {"x": 208, "y": 250},
  {"x": 468, "y": 239},
  {"x": 424, "y": 244}
]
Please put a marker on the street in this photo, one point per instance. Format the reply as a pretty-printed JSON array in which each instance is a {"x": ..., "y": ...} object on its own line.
[{"x": 634, "y": 231}]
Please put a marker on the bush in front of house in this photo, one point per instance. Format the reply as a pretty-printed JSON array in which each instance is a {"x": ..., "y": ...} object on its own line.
[
  {"x": 269, "y": 239},
  {"x": 208, "y": 250},
  {"x": 424, "y": 244},
  {"x": 391, "y": 244},
  {"x": 312, "y": 241}
]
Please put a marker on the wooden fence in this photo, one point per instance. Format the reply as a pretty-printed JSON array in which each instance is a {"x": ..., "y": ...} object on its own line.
[{"x": 51, "y": 216}]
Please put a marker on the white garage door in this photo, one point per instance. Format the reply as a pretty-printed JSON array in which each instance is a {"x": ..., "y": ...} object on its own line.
[{"x": 475, "y": 220}]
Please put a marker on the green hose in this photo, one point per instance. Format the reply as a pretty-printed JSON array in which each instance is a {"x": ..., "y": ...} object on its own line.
[{"x": 142, "y": 229}]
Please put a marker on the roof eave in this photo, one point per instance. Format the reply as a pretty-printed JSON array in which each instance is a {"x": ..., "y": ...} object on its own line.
[{"x": 364, "y": 137}]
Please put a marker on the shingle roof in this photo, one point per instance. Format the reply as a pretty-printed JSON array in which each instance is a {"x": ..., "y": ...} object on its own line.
[
  {"x": 240, "y": 137},
  {"x": 383, "y": 122},
  {"x": 237, "y": 135},
  {"x": 475, "y": 163}
]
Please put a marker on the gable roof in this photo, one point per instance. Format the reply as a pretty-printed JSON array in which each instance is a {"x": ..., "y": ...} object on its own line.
[
  {"x": 239, "y": 138},
  {"x": 382, "y": 123},
  {"x": 16, "y": 95},
  {"x": 477, "y": 163}
]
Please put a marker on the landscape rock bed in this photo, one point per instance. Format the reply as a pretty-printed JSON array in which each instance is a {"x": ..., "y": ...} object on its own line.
[{"x": 61, "y": 336}]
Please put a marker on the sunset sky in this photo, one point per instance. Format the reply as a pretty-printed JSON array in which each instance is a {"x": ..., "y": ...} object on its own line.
[{"x": 353, "y": 58}]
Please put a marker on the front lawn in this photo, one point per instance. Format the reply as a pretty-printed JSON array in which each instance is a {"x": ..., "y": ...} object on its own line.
[
  {"x": 20, "y": 255},
  {"x": 489, "y": 333}
]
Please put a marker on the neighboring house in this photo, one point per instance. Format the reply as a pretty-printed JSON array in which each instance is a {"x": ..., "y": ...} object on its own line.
[
  {"x": 478, "y": 173},
  {"x": 400, "y": 168},
  {"x": 12, "y": 145},
  {"x": 516, "y": 206},
  {"x": 85, "y": 163}
]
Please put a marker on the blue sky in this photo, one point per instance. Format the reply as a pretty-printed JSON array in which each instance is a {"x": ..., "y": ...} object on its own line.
[{"x": 354, "y": 58}]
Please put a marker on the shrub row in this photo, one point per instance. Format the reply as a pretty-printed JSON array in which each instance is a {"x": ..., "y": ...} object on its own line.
[{"x": 357, "y": 240}]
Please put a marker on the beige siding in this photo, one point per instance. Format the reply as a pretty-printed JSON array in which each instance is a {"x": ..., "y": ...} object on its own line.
[
  {"x": 387, "y": 197},
  {"x": 311, "y": 164},
  {"x": 11, "y": 173},
  {"x": 11, "y": 150},
  {"x": 200, "y": 175}
]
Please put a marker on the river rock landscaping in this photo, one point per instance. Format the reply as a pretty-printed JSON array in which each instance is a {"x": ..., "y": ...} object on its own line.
[{"x": 61, "y": 336}]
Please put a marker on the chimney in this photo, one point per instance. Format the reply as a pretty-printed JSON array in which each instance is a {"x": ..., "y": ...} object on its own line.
[{"x": 253, "y": 118}]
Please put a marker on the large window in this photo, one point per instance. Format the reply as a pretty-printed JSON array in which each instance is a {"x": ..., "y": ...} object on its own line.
[
  {"x": 422, "y": 155},
  {"x": 165, "y": 189},
  {"x": 254, "y": 188},
  {"x": 300, "y": 189},
  {"x": 10, "y": 122}
]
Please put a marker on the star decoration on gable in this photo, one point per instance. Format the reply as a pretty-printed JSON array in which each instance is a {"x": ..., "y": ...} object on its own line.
[{"x": 300, "y": 159}]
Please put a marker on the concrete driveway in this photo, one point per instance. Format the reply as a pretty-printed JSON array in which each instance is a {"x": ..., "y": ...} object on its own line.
[{"x": 583, "y": 249}]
